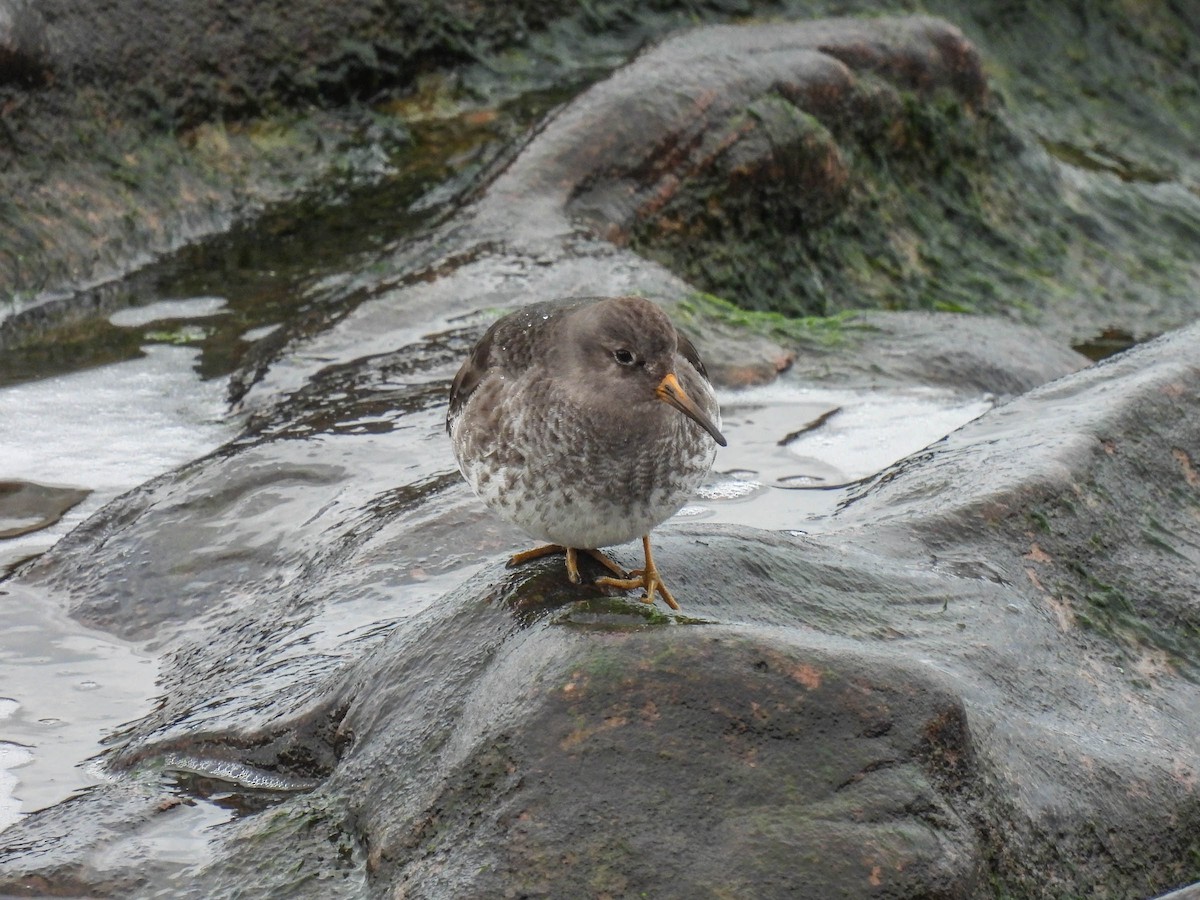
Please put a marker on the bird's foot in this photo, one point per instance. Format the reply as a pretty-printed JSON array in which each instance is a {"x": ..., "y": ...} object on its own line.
[
  {"x": 647, "y": 578},
  {"x": 651, "y": 581},
  {"x": 572, "y": 560},
  {"x": 607, "y": 561}
]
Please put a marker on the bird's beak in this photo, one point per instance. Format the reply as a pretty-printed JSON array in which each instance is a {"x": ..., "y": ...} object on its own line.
[{"x": 670, "y": 391}]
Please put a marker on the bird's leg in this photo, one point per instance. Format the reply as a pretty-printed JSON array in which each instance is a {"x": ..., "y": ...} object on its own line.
[
  {"x": 647, "y": 578},
  {"x": 548, "y": 550},
  {"x": 573, "y": 565},
  {"x": 605, "y": 560},
  {"x": 536, "y": 553}
]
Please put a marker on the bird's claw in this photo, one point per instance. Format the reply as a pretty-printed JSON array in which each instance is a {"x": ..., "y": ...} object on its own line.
[{"x": 648, "y": 581}]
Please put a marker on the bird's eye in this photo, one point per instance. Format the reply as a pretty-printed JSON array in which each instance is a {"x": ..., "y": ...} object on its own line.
[{"x": 624, "y": 357}]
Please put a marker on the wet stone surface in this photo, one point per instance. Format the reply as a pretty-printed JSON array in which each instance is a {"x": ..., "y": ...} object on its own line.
[
  {"x": 974, "y": 674},
  {"x": 26, "y": 506}
]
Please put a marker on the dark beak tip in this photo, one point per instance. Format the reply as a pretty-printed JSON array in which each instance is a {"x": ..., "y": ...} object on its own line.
[{"x": 669, "y": 391}]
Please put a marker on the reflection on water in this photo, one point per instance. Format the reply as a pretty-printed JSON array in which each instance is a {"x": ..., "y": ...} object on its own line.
[
  {"x": 794, "y": 451},
  {"x": 168, "y": 311},
  {"x": 65, "y": 687},
  {"x": 106, "y": 430}
]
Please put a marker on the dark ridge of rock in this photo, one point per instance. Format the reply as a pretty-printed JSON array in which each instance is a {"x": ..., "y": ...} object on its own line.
[
  {"x": 23, "y": 43},
  {"x": 1100, "y": 492}
]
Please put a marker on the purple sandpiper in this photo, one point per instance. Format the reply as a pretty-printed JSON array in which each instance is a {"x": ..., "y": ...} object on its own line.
[{"x": 586, "y": 422}]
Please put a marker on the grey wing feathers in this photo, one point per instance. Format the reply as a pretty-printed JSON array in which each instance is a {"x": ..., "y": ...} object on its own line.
[
  {"x": 470, "y": 374},
  {"x": 513, "y": 333},
  {"x": 688, "y": 351}
]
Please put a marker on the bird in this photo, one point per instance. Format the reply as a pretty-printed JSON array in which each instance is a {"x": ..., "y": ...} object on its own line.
[{"x": 586, "y": 422}]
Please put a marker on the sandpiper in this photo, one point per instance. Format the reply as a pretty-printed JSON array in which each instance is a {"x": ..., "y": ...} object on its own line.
[{"x": 586, "y": 422}]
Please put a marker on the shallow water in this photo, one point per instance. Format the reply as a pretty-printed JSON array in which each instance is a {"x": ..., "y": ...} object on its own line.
[
  {"x": 107, "y": 430},
  {"x": 63, "y": 687},
  {"x": 794, "y": 451}
]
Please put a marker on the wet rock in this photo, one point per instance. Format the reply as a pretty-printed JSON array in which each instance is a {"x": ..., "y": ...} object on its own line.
[
  {"x": 1097, "y": 483},
  {"x": 735, "y": 359},
  {"x": 966, "y": 353},
  {"x": 682, "y": 156},
  {"x": 907, "y": 705},
  {"x": 50, "y": 843},
  {"x": 608, "y": 758},
  {"x": 26, "y": 507},
  {"x": 755, "y": 106},
  {"x": 947, "y": 692}
]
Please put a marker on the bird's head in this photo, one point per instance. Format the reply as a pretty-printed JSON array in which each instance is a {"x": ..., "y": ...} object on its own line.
[{"x": 628, "y": 349}]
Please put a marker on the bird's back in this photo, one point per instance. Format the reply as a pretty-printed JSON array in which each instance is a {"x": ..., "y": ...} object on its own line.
[{"x": 511, "y": 345}]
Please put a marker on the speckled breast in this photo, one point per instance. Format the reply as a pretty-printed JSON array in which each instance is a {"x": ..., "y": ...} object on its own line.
[{"x": 564, "y": 476}]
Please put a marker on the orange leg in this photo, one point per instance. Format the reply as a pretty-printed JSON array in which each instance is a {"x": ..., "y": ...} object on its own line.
[
  {"x": 536, "y": 553},
  {"x": 607, "y": 562},
  {"x": 647, "y": 578}
]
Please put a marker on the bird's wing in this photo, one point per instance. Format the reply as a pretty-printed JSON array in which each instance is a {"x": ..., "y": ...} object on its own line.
[
  {"x": 507, "y": 344},
  {"x": 688, "y": 351},
  {"x": 471, "y": 372}
]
